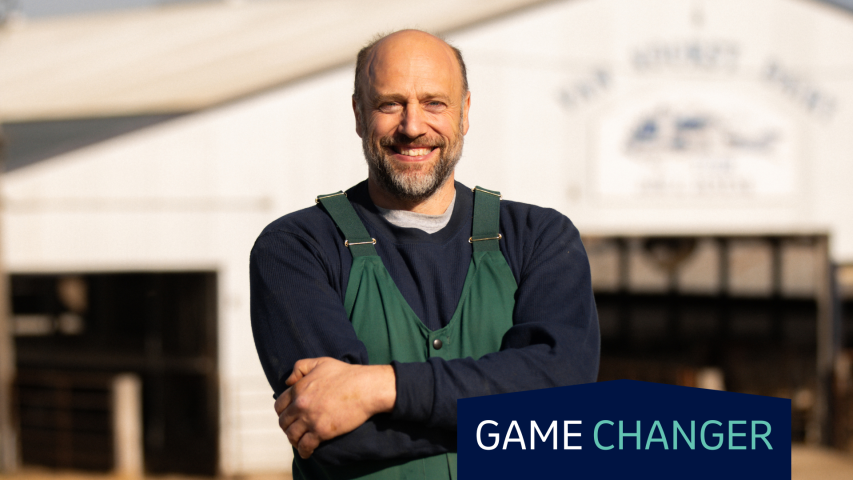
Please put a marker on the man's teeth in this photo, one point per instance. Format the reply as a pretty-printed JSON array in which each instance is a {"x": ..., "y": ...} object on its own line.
[{"x": 415, "y": 152}]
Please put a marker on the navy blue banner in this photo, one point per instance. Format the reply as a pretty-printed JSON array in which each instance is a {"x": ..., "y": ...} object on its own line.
[{"x": 624, "y": 429}]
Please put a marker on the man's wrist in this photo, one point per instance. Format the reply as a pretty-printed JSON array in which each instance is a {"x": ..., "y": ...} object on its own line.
[{"x": 383, "y": 388}]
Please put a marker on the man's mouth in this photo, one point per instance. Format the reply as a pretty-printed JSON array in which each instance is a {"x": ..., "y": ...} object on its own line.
[{"x": 413, "y": 152}]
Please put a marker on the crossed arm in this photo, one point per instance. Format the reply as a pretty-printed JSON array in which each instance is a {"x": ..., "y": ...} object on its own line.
[
  {"x": 408, "y": 409},
  {"x": 327, "y": 398}
]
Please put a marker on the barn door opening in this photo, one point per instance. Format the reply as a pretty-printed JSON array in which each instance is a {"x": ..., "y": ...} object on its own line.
[
  {"x": 74, "y": 334},
  {"x": 751, "y": 314}
]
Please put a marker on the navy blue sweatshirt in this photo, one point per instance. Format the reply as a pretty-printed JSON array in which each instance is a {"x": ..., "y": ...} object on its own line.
[{"x": 299, "y": 268}]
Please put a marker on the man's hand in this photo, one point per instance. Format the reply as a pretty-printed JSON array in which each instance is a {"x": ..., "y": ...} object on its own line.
[{"x": 328, "y": 398}]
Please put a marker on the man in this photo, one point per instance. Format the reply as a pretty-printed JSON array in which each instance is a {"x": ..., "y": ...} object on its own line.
[{"x": 375, "y": 310}]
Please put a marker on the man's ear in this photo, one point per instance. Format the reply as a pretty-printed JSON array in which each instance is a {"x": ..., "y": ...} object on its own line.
[
  {"x": 466, "y": 105},
  {"x": 359, "y": 122}
]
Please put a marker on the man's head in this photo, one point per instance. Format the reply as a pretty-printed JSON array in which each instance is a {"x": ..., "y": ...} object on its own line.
[{"x": 411, "y": 105}]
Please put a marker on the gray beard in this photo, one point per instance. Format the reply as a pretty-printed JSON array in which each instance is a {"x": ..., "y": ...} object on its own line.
[{"x": 412, "y": 183}]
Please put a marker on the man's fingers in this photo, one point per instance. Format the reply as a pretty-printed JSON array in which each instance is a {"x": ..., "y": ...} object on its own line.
[
  {"x": 295, "y": 431},
  {"x": 328, "y": 398},
  {"x": 287, "y": 417},
  {"x": 301, "y": 368},
  {"x": 307, "y": 444},
  {"x": 283, "y": 401}
]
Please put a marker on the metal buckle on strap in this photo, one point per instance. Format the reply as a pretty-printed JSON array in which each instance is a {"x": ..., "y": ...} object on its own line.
[
  {"x": 348, "y": 244},
  {"x": 317, "y": 200},
  {"x": 471, "y": 239},
  {"x": 501, "y": 197}
]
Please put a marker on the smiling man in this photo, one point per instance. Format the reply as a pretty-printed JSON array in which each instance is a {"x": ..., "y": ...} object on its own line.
[{"x": 376, "y": 309}]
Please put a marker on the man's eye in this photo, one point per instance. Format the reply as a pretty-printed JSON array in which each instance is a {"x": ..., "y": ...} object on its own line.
[
  {"x": 436, "y": 106},
  {"x": 389, "y": 107}
]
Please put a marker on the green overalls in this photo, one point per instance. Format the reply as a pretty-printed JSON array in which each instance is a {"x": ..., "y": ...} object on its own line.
[{"x": 390, "y": 330}]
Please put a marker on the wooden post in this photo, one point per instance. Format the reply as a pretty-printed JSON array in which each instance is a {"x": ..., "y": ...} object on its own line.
[
  {"x": 127, "y": 425},
  {"x": 819, "y": 430},
  {"x": 8, "y": 437}
]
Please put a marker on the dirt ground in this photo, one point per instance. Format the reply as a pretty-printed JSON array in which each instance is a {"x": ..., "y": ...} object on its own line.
[
  {"x": 807, "y": 463},
  {"x": 811, "y": 463}
]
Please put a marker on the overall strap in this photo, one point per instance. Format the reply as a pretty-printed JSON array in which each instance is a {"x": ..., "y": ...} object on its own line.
[
  {"x": 357, "y": 239},
  {"x": 487, "y": 209}
]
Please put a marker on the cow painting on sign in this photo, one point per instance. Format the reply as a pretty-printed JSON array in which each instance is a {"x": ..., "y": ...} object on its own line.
[{"x": 376, "y": 309}]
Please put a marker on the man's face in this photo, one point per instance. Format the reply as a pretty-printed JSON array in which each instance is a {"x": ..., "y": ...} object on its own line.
[{"x": 413, "y": 115}]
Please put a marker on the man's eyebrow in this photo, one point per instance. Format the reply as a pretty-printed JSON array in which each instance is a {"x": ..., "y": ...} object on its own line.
[
  {"x": 390, "y": 97},
  {"x": 396, "y": 97},
  {"x": 434, "y": 96}
]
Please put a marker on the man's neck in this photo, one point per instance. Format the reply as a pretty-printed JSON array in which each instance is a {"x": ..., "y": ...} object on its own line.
[{"x": 435, "y": 204}]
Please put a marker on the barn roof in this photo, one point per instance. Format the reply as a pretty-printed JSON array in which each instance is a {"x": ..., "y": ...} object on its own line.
[
  {"x": 186, "y": 57},
  {"x": 180, "y": 58}
]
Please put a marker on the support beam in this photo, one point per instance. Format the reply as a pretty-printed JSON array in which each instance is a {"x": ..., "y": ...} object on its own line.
[
  {"x": 820, "y": 429},
  {"x": 8, "y": 437},
  {"x": 723, "y": 304},
  {"x": 127, "y": 426},
  {"x": 624, "y": 287}
]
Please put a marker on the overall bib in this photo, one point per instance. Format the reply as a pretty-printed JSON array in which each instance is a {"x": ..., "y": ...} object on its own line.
[{"x": 390, "y": 330}]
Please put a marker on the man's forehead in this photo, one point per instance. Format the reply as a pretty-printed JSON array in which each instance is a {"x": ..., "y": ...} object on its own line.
[
  {"x": 413, "y": 54},
  {"x": 413, "y": 41}
]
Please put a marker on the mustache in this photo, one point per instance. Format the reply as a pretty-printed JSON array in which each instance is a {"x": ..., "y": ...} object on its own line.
[{"x": 392, "y": 140}]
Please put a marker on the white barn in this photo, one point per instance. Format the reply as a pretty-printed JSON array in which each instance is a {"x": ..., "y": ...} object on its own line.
[{"x": 635, "y": 118}]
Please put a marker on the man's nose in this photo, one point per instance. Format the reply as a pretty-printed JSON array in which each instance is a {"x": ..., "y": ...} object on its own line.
[{"x": 413, "y": 123}]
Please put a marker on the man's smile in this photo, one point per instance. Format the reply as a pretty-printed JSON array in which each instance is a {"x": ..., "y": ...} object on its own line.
[{"x": 406, "y": 153}]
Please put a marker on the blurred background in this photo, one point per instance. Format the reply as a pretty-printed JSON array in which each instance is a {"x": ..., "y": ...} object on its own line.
[{"x": 702, "y": 147}]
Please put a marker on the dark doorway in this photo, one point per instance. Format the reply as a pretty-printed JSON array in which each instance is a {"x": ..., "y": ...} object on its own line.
[
  {"x": 737, "y": 313},
  {"x": 74, "y": 331}
]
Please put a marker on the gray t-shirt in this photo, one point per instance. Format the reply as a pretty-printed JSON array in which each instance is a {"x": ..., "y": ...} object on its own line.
[{"x": 422, "y": 221}]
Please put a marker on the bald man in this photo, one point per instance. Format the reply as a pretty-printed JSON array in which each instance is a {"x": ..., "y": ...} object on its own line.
[{"x": 378, "y": 308}]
